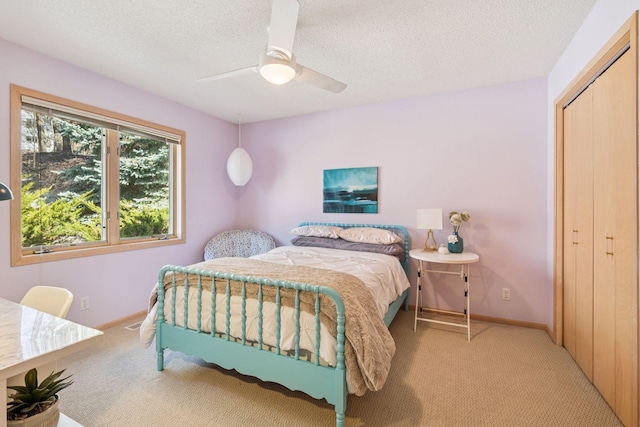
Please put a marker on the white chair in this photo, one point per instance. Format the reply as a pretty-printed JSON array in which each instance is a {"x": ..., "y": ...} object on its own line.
[{"x": 52, "y": 300}]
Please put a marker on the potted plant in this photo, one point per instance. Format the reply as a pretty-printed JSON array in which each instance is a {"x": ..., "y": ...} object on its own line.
[{"x": 36, "y": 405}]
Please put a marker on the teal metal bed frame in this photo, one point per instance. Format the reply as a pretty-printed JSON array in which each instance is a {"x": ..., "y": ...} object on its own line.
[{"x": 256, "y": 359}]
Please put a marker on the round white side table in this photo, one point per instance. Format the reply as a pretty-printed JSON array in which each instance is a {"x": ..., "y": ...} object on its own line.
[{"x": 463, "y": 259}]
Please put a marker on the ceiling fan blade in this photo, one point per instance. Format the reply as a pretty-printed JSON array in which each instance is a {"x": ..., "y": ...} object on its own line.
[
  {"x": 309, "y": 76},
  {"x": 234, "y": 73},
  {"x": 282, "y": 29}
]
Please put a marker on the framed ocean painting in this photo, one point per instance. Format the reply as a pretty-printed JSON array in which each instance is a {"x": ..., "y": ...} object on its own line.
[{"x": 352, "y": 190}]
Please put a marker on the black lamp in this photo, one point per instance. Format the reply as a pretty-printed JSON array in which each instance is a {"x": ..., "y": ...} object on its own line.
[{"x": 5, "y": 192}]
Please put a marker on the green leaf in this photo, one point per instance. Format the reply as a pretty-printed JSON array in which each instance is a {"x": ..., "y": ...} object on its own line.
[
  {"x": 31, "y": 379},
  {"x": 18, "y": 388},
  {"x": 51, "y": 378}
]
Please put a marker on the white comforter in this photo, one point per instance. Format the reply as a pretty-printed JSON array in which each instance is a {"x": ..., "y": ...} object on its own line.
[{"x": 382, "y": 274}]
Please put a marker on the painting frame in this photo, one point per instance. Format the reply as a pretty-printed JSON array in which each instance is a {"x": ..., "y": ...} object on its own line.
[{"x": 350, "y": 190}]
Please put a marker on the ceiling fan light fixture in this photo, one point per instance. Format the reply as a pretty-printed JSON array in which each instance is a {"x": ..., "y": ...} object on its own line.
[
  {"x": 277, "y": 70},
  {"x": 277, "y": 63}
]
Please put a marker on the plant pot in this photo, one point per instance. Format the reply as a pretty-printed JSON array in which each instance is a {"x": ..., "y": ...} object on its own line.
[
  {"x": 457, "y": 247},
  {"x": 47, "y": 418}
]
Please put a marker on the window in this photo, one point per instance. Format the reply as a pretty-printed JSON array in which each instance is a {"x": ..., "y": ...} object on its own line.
[{"x": 90, "y": 181}]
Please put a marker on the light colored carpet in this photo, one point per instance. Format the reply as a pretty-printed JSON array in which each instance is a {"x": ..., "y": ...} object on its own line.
[{"x": 506, "y": 376}]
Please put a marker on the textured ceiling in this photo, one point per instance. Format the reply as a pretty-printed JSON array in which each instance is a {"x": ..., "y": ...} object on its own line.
[{"x": 382, "y": 49}]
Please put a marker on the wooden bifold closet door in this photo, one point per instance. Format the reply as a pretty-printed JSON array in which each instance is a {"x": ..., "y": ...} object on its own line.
[
  {"x": 578, "y": 231},
  {"x": 600, "y": 233}
]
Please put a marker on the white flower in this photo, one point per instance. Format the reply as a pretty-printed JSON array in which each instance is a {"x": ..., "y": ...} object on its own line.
[
  {"x": 452, "y": 238},
  {"x": 457, "y": 218}
]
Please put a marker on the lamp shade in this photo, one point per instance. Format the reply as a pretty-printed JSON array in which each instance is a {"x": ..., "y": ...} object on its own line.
[
  {"x": 429, "y": 219},
  {"x": 239, "y": 167},
  {"x": 5, "y": 192}
]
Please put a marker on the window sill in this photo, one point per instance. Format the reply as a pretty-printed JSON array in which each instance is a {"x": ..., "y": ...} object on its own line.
[{"x": 27, "y": 259}]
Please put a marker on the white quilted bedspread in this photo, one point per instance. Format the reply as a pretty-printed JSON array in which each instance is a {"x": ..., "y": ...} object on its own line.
[{"x": 382, "y": 274}]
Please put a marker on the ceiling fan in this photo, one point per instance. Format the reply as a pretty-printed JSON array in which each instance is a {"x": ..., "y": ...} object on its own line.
[{"x": 277, "y": 63}]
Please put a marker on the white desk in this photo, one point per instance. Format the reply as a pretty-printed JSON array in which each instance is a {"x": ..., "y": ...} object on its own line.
[
  {"x": 30, "y": 338},
  {"x": 463, "y": 260}
]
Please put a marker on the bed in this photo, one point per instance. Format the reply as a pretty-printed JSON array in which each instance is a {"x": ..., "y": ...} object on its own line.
[{"x": 299, "y": 316}]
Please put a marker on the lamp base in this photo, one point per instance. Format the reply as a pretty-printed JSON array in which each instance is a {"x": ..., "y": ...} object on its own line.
[{"x": 430, "y": 247}]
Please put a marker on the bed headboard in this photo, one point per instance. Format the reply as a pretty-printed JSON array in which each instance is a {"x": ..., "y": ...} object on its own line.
[{"x": 398, "y": 229}]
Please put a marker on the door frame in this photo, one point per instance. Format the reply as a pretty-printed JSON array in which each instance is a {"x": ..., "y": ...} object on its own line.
[
  {"x": 625, "y": 40},
  {"x": 626, "y": 35}
]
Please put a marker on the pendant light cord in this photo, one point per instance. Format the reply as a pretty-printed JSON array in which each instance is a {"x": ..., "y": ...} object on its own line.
[
  {"x": 239, "y": 132},
  {"x": 239, "y": 146}
]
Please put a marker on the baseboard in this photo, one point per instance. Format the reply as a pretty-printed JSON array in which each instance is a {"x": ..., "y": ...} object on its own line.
[
  {"x": 501, "y": 320},
  {"x": 512, "y": 322},
  {"x": 492, "y": 319},
  {"x": 117, "y": 322}
]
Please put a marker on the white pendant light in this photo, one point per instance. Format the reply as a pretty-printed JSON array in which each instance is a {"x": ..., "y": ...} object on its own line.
[{"x": 239, "y": 164}]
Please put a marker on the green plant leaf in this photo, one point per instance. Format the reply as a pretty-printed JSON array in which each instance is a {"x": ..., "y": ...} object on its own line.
[
  {"x": 18, "y": 388},
  {"x": 31, "y": 379},
  {"x": 51, "y": 378}
]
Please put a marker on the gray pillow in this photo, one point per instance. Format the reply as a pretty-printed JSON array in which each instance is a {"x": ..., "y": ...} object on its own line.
[{"x": 323, "y": 242}]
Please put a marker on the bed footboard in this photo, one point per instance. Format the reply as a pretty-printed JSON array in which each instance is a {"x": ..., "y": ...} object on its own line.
[{"x": 253, "y": 356}]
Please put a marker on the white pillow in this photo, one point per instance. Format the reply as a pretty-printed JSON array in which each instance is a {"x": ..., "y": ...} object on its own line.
[
  {"x": 376, "y": 236},
  {"x": 317, "y": 231}
]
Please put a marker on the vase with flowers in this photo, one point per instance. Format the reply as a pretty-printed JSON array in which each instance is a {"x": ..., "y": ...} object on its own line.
[{"x": 455, "y": 242}]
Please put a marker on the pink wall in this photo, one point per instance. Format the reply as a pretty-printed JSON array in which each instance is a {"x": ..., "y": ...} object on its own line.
[
  {"x": 118, "y": 285},
  {"x": 481, "y": 150},
  {"x": 486, "y": 150}
]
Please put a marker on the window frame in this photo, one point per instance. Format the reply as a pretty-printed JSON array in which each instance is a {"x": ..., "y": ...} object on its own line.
[{"x": 113, "y": 243}]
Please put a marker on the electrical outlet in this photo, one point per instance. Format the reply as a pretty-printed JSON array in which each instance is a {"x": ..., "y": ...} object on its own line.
[
  {"x": 506, "y": 294},
  {"x": 84, "y": 303}
]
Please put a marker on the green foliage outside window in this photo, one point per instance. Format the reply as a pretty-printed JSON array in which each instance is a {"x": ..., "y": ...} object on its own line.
[
  {"x": 63, "y": 184},
  {"x": 142, "y": 220},
  {"x": 63, "y": 221}
]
